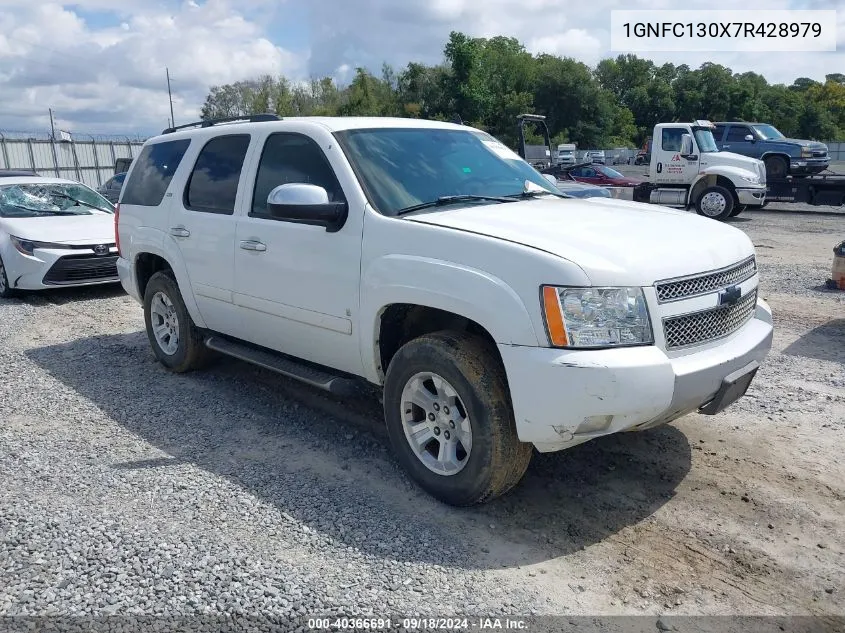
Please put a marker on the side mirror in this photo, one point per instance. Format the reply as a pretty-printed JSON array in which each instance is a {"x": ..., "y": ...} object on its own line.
[
  {"x": 306, "y": 204},
  {"x": 686, "y": 145},
  {"x": 749, "y": 138}
]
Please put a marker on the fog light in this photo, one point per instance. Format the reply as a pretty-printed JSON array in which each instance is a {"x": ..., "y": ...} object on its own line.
[{"x": 594, "y": 424}]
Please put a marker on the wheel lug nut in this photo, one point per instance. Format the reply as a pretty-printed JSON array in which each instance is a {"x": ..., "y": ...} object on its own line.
[
  {"x": 446, "y": 435},
  {"x": 431, "y": 417},
  {"x": 452, "y": 423},
  {"x": 437, "y": 431},
  {"x": 436, "y": 407},
  {"x": 446, "y": 410}
]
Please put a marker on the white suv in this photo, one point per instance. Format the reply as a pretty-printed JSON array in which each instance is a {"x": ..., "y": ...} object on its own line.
[{"x": 498, "y": 314}]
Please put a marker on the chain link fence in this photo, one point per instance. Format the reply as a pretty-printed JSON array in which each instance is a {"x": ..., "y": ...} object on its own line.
[{"x": 87, "y": 158}]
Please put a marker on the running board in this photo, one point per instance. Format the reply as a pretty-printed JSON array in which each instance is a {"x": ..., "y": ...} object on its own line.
[{"x": 286, "y": 366}]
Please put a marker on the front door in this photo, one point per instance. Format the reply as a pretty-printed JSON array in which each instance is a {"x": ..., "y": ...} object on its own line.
[
  {"x": 735, "y": 141},
  {"x": 669, "y": 166},
  {"x": 297, "y": 284}
]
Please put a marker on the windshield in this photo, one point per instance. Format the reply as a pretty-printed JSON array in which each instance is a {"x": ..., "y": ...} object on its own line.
[
  {"x": 403, "y": 167},
  {"x": 768, "y": 132},
  {"x": 610, "y": 173},
  {"x": 705, "y": 140},
  {"x": 42, "y": 199}
]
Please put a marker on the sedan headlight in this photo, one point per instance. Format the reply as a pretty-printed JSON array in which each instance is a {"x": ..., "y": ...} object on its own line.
[
  {"x": 596, "y": 317},
  {"x": 28, "y": 246}
]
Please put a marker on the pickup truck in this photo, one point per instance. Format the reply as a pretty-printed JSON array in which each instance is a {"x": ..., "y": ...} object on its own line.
[
  {"x": 782, "y": 156},
  {"x": 497, "y": 315}
]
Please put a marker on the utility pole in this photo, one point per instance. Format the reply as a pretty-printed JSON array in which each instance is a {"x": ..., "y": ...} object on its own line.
[
  {"x": 52, "y": 127},
  {"x": 170, "y": 95},
  {"x": 53, "y": 143}
]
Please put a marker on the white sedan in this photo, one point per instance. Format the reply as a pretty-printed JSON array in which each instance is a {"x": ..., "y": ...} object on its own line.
[{"x": 53, "y": 233}]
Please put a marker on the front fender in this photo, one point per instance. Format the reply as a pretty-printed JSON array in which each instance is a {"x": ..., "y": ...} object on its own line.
[
  {"x": 444, "y": 285},
  {"x": 152, "y": 241}
]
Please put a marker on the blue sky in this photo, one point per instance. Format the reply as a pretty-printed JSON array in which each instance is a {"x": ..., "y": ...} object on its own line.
[{"x": 100, "y": 64}]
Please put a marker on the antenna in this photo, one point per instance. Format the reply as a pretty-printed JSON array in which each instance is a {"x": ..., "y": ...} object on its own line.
[{"x": 170, "y": 96}]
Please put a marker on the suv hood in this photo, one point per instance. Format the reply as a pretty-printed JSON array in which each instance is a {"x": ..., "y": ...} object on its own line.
[
  {"x": 72, "y": 229},
  {"x": 615, "y": 242}
]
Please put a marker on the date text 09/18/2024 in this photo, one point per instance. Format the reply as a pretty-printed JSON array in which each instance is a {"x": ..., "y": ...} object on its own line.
[{"x": 416, "y": 624}]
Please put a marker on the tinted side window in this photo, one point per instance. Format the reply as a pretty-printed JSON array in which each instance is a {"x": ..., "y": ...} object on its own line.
[
  {"x": 118, "y": 180},
  {"x": 154, "y": 170},
  {"x": 289, "y": 157},
  {"x": 737, "y": 133},
  {"x": 671, "y": 141},
  {"x": 718, "y": 133},
  {"x": 213, "y": 184}
]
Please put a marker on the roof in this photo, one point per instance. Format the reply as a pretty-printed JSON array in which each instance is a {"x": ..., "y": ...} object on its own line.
[
  {"x": 10, "y": 173},
  {"x": 332, "y": 124}
]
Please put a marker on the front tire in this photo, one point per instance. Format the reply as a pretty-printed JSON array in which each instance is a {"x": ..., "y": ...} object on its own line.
[
  {"x": 177, "y": 343},
  {"x": 739, "y": 208},
  {"x": 6, "y": 291},
  {"x": 776, "y": 167},
  {"x": 715, "y": 202},
  {"x": 450, "y": 420}
]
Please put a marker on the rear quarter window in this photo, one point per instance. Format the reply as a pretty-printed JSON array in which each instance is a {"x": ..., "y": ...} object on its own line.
[{"x": 153, "y": 171}]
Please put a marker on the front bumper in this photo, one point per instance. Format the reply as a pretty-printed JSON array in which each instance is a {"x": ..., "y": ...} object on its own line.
[
  {"x": 752, "y": 197},
  {"x": 59, "y": 268},
  {"x": 808, "y": 165},
  {"x": 562, "y": 398}
]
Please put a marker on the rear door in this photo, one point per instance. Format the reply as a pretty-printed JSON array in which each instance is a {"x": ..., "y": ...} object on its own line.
[{"x": 202, "y": 223}]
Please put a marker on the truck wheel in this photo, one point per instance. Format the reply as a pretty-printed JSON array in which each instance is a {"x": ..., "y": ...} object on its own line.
[
  {"x": 177, "y": 343},
  {"x": 776, "y": 167},
  {"x": 715, "y": 202},
  {"x": 738, "y": 208},
  {"x": 6, "y": 291},
  {"x": 450, "y": 421}
]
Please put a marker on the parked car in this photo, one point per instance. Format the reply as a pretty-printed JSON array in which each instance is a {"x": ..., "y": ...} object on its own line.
[
  {"x": 110, "y": 189},
  {"x": 782, "y": 156},
  {"x": 602, "y": 175},
  {"x": 17, "y": 173},
  {"x": 54, "y": 232},
  {"x": 596, "y": 156},
  {"x": 565, "y": 154},
  {"x": 496, "y": 314},
  {"x": 582, "y": 190}
]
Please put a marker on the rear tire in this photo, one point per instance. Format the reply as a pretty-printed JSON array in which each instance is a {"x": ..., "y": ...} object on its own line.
[
  {"x": 776, "y": 167},
  {"x": 6, "y": 291},
  {"x": 715, "y": 202},
  {"x": 450, "y": 369},
  {"x": 177, "y": 343}
]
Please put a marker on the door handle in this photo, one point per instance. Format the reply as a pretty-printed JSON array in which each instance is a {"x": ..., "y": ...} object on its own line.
[
  {"x": 180, "y": 231},
  {"x": 253, "y": 245},
  {"x": 725, "y": 146}
]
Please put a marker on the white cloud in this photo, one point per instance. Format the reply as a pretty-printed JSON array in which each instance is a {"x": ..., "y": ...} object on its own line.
[{"x": 112, "y": 78}]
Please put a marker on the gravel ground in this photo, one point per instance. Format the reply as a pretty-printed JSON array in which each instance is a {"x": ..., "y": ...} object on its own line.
[{"x": 131, "y": 491}]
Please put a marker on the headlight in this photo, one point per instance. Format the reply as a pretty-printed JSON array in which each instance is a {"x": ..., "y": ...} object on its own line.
[
  {"x": 28, "y": 246},
  {"x": 754, "y": 180},
  {"x": 596, "y": 317},
  {"x": 806, "y": 152}
]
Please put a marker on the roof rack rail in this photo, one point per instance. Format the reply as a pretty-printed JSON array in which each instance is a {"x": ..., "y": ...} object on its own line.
[{"x": 252, "y": 118}]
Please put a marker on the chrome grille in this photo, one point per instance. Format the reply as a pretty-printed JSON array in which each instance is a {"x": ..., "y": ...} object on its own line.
[
  {"x": 693, "y": 286},
  {"x": 708, "y": 325}
]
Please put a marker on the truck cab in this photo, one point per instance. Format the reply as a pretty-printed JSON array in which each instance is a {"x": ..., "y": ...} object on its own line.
[
  {"x": 688, "y": 170},
  {"x": 565, "y": 154}
]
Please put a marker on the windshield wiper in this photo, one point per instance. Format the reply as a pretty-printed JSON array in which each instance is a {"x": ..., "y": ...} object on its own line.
[
  {"x": 56, "y": 194},
  {"x": 53, "y": 211},
  {"x": 444, "y": 200},
  {"x": 534, "y": 193}
]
